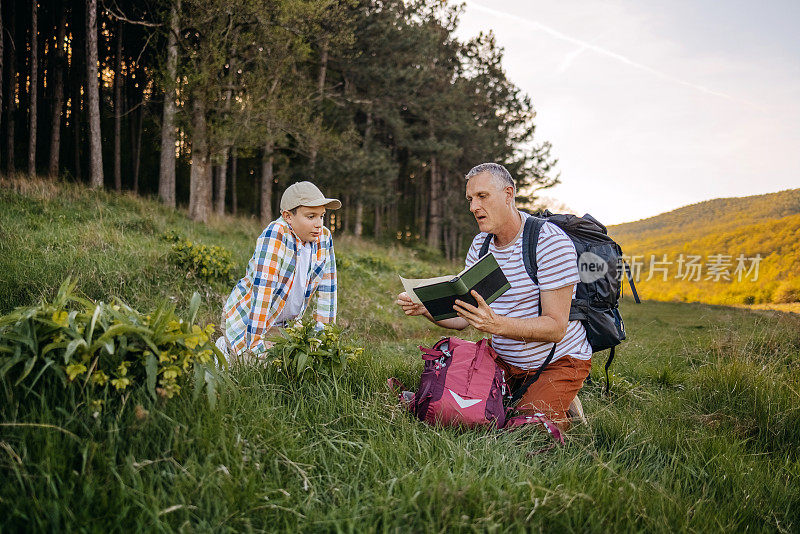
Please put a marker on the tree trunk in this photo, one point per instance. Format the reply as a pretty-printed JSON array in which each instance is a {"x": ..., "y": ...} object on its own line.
[
  {"x": 222, "y": 170},
  {"x": 166, "y": 177},
  {"x": 378, "y": 213},
  {"x": 233, "y": 182},
  {"x": 137, "y": 147},
  {"x": 447, "y": 245},
  {"x": 267, "y": 176},
  {"x": 346, "y": 207},
  {"x": 118, "y": 112},
  {"x": 323, "y": 65},
  {"x": 213, "y": 180},
  {"x": 359, "y": 218},
  {"x": 12, "y": 93},
  {"x": 323, "y": 69},
  {"x": 390, "y": 213},
  {"x": 34, "y": 88},
  {"x": 58, "y": 96},
  {"x": 200, "y": 175},
  {"x": 222, "y": 177},
  {"x": 75, "y": 103},
  {"x": 421, "y": 207},
  {"x": 2, "y": 39},
  {"x": 359, "y": 228},
  {"x": 434, "y": 207},
  {"x": 93, "y": 90},
  {"x": 75, "y": 114}
]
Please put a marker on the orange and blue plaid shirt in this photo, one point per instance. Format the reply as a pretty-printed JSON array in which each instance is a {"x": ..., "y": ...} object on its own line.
[{"x": 258, "y": 298}]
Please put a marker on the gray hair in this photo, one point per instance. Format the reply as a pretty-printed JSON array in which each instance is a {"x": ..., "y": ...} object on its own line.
[{"x": 499, "y": 172}]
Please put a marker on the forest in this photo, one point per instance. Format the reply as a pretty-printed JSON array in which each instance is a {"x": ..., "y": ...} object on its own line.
[{"x": 217, "y": 105}]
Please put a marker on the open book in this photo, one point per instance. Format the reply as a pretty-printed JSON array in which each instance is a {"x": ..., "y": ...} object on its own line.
[{"x": 439, "y": 294}]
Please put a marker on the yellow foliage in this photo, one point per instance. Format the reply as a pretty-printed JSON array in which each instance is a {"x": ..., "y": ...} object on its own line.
[{"x": 731, "y": 239}]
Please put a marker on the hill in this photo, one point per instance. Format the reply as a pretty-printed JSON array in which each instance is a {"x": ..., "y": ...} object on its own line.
[
  {"x": 699, "y": 434},
  {"x": 759, "y": 232}
]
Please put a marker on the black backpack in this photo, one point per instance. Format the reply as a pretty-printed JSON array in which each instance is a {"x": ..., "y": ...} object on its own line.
[{"x": 597, "y": 295}]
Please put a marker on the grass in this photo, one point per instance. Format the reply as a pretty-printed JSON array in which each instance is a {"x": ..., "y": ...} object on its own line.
[{"x": 700, "y": 433}]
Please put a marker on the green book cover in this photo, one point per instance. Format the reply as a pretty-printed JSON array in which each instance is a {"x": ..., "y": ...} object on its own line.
[{"x": 439, "y": 294}]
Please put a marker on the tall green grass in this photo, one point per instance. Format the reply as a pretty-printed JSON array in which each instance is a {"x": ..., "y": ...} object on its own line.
[{"x": 700, "y": 433}]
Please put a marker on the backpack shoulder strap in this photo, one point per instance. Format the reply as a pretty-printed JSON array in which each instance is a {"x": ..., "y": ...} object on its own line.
[
  {"x": 630, "y": 281},
  {"x": 485, "y": 246},
  {"x": 530, "y": 237}
]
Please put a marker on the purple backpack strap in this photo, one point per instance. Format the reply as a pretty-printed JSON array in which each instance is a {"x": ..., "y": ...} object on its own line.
[
  {"x": 435, "y": 352},
  {"x": 395, "y": 384},
  {"x": 537, "y": 418}
]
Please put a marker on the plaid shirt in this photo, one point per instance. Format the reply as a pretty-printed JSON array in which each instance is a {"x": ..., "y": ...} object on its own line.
[{"x": 258, "y": 299}]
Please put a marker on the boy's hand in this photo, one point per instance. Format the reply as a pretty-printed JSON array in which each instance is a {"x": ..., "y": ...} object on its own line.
[{"x": 410, "y": 307}]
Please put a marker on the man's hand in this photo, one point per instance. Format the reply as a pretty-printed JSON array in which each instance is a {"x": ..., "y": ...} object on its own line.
[
  {"x": 481, "y": 317},
  {"x": 410, "y": 307}
]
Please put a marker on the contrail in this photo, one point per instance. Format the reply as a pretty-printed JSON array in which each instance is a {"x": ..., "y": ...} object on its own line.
[{"x": 608, "y": 53}]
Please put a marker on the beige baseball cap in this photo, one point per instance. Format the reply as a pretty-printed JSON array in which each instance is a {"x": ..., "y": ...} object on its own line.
[{"x": 306, "y": 194}]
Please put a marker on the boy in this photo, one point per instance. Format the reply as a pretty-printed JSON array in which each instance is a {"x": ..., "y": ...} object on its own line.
[{"x": 293, "y": 260}]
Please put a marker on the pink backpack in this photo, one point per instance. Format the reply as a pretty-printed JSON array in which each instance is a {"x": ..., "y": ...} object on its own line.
[{"x": 462, "y": 385}]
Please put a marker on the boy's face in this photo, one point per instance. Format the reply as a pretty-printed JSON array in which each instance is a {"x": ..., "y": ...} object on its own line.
[{"x": 306, "y": 222}]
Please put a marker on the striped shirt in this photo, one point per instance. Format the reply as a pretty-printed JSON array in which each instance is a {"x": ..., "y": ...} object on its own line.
[
  {"x": 258, "y": 299},
  {"x": 557, "y": 264}
]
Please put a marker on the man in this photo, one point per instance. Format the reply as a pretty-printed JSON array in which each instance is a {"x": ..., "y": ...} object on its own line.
[
  {"x": 293, "y": 261},
  {"x": 522, "y": 338}
]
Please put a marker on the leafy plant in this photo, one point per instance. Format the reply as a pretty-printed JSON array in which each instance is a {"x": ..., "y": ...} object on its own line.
[
  {"x": 102, "y": 352},
  {"x": 304, "y": 350},
  {"x": 171, "y": 236},
  {"x": 208, "y": 263}
]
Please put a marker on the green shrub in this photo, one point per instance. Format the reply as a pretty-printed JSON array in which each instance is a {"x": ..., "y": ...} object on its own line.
[
  {"x": 171, "y": 236},
  {"x": 303, "y": 350},
  {"x": 425, "y": 253},
  {"x": 101, "y": 352},
  {"x": 375, "y": 262},
  {"x": 208, "y": 263},
  {"x": 344, "y": 262}
]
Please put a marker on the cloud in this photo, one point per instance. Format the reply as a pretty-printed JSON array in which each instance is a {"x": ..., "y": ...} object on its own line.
[
  {"x": 568, "y": 59},
  {"x": 583, "y": 46}
]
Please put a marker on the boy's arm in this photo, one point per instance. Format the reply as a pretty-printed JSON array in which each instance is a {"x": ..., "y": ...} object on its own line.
[
  {"x": 326, "y": 291},
  {"x": 269, "y": 251}
]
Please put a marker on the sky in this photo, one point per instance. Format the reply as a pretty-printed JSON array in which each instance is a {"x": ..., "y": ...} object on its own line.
[{"x": 653, "y": 105}]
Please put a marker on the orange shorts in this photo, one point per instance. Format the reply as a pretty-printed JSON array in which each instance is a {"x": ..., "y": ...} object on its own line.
[{"x": 553, "y": 391}]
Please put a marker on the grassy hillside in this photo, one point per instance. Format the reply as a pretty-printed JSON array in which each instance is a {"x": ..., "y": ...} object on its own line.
[
  {"x": 700, "y": 433},
  {"x": 711, "y": 216},
  {"x": 766, "y": 225}
]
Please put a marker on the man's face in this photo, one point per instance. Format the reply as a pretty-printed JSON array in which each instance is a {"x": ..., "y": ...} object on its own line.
[
  {"x": 488, "y": 201},
  {"x": 306, "y": 222}
]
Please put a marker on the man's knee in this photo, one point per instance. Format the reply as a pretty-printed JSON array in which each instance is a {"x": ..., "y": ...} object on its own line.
[{"x": 555, "y": 390}]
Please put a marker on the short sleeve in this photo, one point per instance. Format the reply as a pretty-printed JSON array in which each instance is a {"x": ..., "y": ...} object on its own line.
[{"x": 556, "y": 259}]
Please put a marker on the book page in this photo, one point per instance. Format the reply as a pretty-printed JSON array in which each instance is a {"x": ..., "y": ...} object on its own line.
[{"x": 410, "y": 283}]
